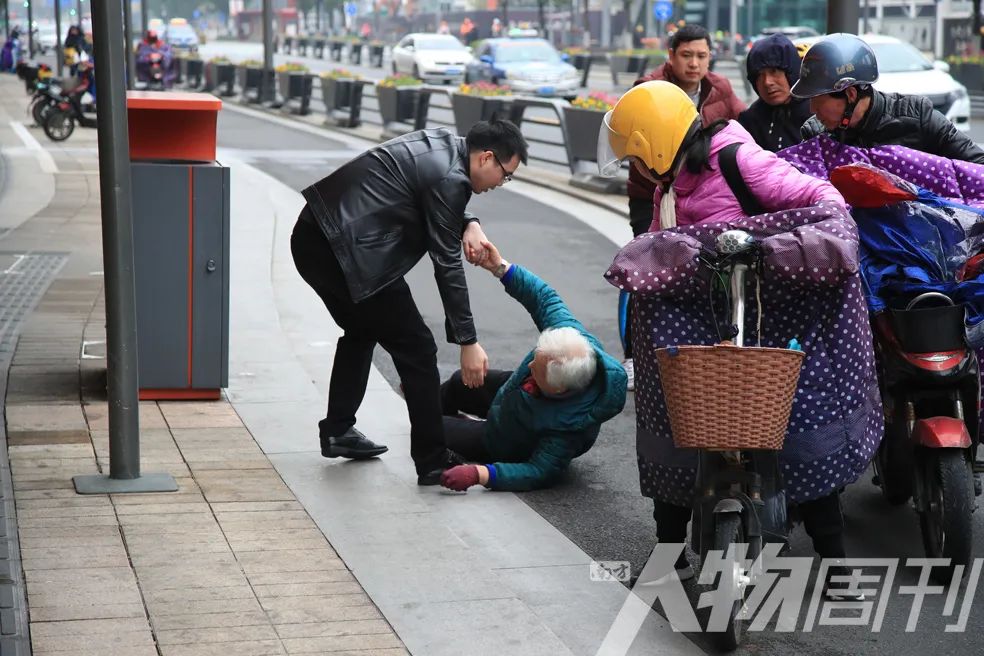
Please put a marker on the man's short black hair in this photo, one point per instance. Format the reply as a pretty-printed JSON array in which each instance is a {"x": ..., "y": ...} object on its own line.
[
  {"x": 500, "y": 136},
  {"x": 689, "y": 32}
]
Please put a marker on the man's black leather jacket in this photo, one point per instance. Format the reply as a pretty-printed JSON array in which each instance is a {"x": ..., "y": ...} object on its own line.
[
  {"x": 911, "y": 121},
  {"x": 387, "y": 207}
]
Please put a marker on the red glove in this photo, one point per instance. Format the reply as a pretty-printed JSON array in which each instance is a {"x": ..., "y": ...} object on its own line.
[{"x": 460, "y": 478}]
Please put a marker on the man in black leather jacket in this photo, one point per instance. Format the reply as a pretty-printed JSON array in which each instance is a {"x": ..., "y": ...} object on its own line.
[
  {"x": 363, "y": 228},
  {"x": 836, "y": 76}
]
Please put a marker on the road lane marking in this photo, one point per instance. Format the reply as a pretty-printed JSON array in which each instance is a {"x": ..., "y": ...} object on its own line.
[{"x": 45, "y": 159}]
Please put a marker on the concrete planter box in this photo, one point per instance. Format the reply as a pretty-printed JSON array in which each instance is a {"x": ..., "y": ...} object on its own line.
[
  {"x": 397, "y": 103},
  {"x": 343, "y": 101},
  {"x": 581, "y": 128},
  {"x": 295, "y": 87},
  {"x": 355, "y": 54},
  {"x": 376, "y": 55},
  {"x": 250, "y": 81},
  {"x": 194, "y": 69},
  {"x": 335, "y": 48},
  {"x": 583, "y": 64},
  {"x": 469, "y": 110}
]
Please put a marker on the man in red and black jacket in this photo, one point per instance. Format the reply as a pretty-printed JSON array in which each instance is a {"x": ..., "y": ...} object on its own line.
[{"x": 687, "y": 67}]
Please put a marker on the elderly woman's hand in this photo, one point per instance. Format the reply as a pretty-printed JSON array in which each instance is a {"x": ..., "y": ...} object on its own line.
[{"x": 492, "y": 257}]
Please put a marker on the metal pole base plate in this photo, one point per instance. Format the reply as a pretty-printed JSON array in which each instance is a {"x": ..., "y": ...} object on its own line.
[{"x": 103, "y": 484}]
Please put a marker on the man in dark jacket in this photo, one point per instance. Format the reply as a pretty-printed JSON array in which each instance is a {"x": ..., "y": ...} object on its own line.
[
  {"x": 837, "y": 75},
  {"x": 545, "y": 413},
  {"x": 775, "y": 119},
  {"x": 687, "y": 67},
  {"x": 363, "y": 228}
]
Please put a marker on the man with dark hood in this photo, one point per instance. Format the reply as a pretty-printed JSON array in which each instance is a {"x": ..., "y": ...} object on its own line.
[{"x": 775, "y": 119}]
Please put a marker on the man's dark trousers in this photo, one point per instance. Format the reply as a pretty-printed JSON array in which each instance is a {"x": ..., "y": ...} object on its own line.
[{"x": 389, "y": 318}]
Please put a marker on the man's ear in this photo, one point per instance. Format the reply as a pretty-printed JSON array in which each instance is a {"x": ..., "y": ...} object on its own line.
[{"x": 852, "y": 94}]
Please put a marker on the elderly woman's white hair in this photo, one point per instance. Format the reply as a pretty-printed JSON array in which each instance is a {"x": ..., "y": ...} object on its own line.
[{"x": 572, "y": 361}]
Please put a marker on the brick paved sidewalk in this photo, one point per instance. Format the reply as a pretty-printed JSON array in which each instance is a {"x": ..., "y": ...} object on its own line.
[{"x": 230, "y": 564}]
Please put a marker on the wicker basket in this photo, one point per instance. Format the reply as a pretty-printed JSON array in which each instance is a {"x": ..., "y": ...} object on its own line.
[{"x": 728, "y": 398}]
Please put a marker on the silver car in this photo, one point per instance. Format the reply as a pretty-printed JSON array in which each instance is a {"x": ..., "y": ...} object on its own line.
[{"x": 431, "y": 57}]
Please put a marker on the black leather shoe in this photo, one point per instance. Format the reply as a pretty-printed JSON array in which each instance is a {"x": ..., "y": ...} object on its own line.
[
  {"x": 352, "y": 444},
  {"x": 432, "y": 475}
]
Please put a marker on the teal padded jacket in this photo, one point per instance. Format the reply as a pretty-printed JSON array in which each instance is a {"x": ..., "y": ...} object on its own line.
[{"x": 534, "y": 439}]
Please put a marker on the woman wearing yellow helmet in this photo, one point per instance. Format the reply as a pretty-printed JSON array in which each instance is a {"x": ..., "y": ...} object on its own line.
[{"x": 656, "y": 128}]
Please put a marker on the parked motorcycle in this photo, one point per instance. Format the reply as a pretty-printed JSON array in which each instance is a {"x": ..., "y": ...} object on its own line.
[
  {"x": 47, "y": 95},
  {"x": 61, "y": 120}
]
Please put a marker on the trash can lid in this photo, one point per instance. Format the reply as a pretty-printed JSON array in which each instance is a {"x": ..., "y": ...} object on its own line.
[{"x": 175, "y": 100}]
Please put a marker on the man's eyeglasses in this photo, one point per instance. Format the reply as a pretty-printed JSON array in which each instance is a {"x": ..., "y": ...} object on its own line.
[{"x": 506, "y": 175}]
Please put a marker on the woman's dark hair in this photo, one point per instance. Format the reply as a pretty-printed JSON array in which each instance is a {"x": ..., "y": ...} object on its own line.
[
  {"x": 696, "y": 147},
  {"x": 500, "y": 136}
]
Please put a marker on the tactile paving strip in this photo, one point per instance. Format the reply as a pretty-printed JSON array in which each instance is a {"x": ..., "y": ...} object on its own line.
[{"x": 24, "y": 278}]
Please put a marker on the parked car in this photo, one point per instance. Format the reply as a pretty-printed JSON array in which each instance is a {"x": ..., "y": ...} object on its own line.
[
  {"x": 903, "y": 69},
  {"x": 181, "y": 36},
  {"x": 793, "y": 32},
  {"x": 45, "y": 38},
  {"x": 431, "y": 57},
  {"x": 527, "y": 65}
]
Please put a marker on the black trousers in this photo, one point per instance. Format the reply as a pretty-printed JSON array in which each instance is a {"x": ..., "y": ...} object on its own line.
[
  {"x": 389, "y": 318},
  {"x": 467, "y": 436},
  {"x": 822, "y": 520}
]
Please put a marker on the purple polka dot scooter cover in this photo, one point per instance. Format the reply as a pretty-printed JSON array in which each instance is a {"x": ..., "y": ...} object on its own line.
[{"x": 811, "y": 291}]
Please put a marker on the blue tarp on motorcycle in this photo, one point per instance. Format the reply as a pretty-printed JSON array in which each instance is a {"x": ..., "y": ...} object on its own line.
[{"x": 920, "y": 245}]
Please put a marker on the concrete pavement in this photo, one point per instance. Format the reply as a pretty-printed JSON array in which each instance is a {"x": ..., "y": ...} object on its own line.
[
  {"x": 231, "y": 562},
  {"x": 266, "y": 548}
]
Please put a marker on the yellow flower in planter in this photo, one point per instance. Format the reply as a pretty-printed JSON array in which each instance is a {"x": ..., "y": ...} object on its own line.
[
  {"x": 484, "y": 89},
  {"x": 292, "y": 67},
  {"x": 597, "y": 101},
  {"x": 251, "y": 63},
  {"x": 340, "y": 74}
]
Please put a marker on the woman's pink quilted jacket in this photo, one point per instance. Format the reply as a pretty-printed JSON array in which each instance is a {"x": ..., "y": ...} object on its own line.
[{"x": 774, "y": 182}]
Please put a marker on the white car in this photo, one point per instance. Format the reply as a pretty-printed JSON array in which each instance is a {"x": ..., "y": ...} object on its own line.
[
  {"x": 903, "y": 69},
  {"x": 45, "y": 38},
  {"x": 431, "y": 57}
]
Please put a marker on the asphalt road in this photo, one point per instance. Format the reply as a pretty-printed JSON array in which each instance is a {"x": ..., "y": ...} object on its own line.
[{"x": 598, "y": 505}]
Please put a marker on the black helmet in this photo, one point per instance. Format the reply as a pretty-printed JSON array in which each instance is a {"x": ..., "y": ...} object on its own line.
[
  {"x": 773, "y": 51},
  {"x": 834, "y": 63}
]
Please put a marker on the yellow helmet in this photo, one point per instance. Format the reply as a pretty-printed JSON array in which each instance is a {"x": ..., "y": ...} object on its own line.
[
  {"x": 650, "y": 121},
  {"x": 801, "y": 48}
]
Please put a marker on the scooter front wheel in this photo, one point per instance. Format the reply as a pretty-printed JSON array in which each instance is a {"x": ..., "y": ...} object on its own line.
[
  {"x": 947, "y": 525},
  {"x": 733, "y": 581},
  {"x": 59, "y": 125}
]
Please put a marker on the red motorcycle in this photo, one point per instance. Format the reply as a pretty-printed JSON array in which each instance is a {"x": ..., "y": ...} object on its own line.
[{"x": 930, "y": 385}]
